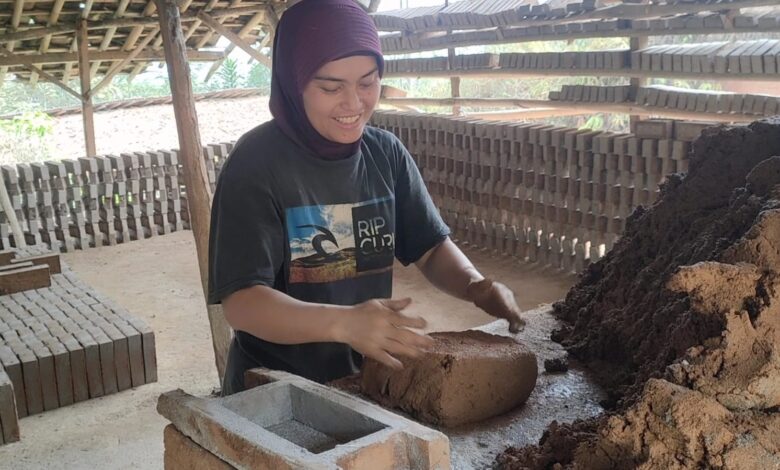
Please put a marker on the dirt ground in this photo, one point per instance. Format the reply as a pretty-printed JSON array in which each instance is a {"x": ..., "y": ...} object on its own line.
[
  {"x": 157, "y": 280},
  {"x": 154, "y": 127}
]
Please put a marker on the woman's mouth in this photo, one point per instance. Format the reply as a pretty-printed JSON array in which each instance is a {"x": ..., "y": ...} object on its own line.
[{"x": 348, "y": 120}]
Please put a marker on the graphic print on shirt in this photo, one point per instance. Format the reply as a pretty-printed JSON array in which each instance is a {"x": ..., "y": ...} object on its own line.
[{"x": 341, "y": 241}]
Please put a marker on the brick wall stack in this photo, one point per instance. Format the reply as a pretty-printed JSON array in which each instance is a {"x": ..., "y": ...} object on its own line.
[{"x": 550, "y": 195}]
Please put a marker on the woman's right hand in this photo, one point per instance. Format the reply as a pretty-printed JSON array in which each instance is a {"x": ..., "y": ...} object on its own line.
[{"x": 379, "y": 329}]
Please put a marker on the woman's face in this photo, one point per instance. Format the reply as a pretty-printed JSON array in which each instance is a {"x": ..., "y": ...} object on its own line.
[{"x": 341, "y": 97}]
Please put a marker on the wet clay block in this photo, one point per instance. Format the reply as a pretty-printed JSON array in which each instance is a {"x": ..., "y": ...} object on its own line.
[{"x": 466, "y": 377}]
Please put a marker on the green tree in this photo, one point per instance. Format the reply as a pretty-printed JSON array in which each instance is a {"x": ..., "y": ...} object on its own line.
[
  {"x": 259, "y": 77},
  {"x": 228, "y": 74}
]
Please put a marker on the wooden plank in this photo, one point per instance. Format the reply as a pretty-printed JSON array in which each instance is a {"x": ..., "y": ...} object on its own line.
[
  {"x": 195, "y": 175},
  {"x": 51, "y": 260},
  {"x": 21, "y": 279},
  {"x": 234, "y": 38},
  {"x": 64, "y": 57},
  {"x": 115, "y": 69},
  {"x": 50, "y": 78}
]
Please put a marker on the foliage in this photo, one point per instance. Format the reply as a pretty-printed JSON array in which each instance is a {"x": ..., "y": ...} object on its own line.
[
  {"x": 259, "y": 77},
  {"x": 25, "y": 138},
  {"x": 228, "y": 74}
]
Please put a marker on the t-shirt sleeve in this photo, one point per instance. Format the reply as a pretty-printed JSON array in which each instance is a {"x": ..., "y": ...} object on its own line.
[
  {"x": 246, "y": 235},
  {"x": 419, "y": 226}
]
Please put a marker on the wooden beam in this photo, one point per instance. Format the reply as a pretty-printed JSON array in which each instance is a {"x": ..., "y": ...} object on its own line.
[
  {"x": 6, "y": 53},
  {"x": 625, "y": 72},
  {"x": 15, "y": 20},
  {"x": 121, "y": 65},
  {"x": 270, "y": 28},
  {"x": 533, "y": 113},
  {"x": 234, "y": 38},
  {"x": 146, "y": 55},
  {"x": 195, "y": 176},
  {"x": 87, "y": 110},
  {"x": 207, "y": 36}
]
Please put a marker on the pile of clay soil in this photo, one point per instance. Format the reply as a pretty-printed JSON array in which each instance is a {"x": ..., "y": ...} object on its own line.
[{"x": 681, "y": 322}]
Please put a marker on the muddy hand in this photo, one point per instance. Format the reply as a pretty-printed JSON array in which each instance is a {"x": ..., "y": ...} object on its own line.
[
  {"x": 497, "y": 300},
  {"x": 379, "y": 329}
]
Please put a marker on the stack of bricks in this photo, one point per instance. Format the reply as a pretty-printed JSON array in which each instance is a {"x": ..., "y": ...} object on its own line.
[
  {"x": 407, "y": 18},
  {"x": 64, "y": 344},
  {"x": 475, "y": 14},
  {"x": 75, "y": 204},
  {"x": 439, "y": 64},
  {"x": 592, "y": 94},
  {"x": 660, "y": 96},
  {"x": 756, "y": 57},
  {"x": 554, "y": 196},
  {"x": 594, "y": 60},
  {"x": 707, "y": 101}
]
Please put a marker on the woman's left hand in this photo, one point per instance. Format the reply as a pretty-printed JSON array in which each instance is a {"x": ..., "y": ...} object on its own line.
[{"x": 497, "y": 300}]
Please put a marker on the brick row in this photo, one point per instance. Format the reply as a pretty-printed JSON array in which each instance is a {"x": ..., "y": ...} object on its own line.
[
  {"x": 551, "y": 195},
  {"x": 67, "y": 343},
  {"x": 99, "y": 201}
]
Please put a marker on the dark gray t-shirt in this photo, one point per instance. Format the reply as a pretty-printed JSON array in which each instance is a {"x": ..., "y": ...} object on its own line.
[{"x": 319, "y": 230}]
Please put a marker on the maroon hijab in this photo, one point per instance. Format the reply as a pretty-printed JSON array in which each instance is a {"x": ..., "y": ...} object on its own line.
[{"x": 309, "y": 35}]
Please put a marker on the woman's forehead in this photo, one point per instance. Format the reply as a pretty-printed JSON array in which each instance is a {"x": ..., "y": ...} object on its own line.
[{"x": 347, "y": 69}]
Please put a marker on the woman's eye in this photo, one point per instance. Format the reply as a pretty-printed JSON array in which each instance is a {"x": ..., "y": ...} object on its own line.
[
  {"x": 329, "y": 90},
  {"x": 368, "y": 84}
]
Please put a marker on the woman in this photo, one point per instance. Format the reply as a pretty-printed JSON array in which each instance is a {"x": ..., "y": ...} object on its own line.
[{"x": 312, "y": 207}]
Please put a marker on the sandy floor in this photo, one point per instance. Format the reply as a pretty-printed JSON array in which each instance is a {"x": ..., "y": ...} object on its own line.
[{"x": 157, "y": 279}]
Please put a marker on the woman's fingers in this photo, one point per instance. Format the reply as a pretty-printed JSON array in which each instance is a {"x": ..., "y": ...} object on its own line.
[
  {"x": 411, "y": 338},
  {"x": 388, "y": 360},
  {"x": 396, "y": 304},
  {"x": 400, "y": 320}
]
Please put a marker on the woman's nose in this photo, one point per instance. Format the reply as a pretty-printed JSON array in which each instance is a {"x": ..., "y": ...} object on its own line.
[{"x": 352, "y": 99}]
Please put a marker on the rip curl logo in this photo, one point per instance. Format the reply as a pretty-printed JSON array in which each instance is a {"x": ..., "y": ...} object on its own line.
[{"x": 324, "y": 236}]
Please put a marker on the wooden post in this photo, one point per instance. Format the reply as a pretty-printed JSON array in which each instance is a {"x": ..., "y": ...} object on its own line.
[
  {"x": 191, "y": 152},
  {"x": 636, "y": 43},
  {"x": 455, "y": 80},
  {"x": 87, "y": 110}
]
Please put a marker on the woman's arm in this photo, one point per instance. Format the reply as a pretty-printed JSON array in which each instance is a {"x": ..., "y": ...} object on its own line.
[
  {"x": 376, "y": 328},
  {"x": 447, "y": 268}
]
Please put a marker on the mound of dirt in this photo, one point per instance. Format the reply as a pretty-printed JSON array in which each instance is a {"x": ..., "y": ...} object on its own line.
[{"x": 681, "y": 320}]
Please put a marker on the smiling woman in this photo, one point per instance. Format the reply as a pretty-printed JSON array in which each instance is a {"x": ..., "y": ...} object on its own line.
[{"x": 312, "y": 208}]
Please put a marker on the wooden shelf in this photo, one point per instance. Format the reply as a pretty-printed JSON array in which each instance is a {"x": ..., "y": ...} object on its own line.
[
  {"x": 574, "y": 107},
  {"x": 403, "y": 44}
]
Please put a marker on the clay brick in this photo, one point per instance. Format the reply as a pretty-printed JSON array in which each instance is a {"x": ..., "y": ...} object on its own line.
[
  {"x": 92, "y": 362},
  {"x": 9, "y": 422},
  {"x": 182, "y": 452}
]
